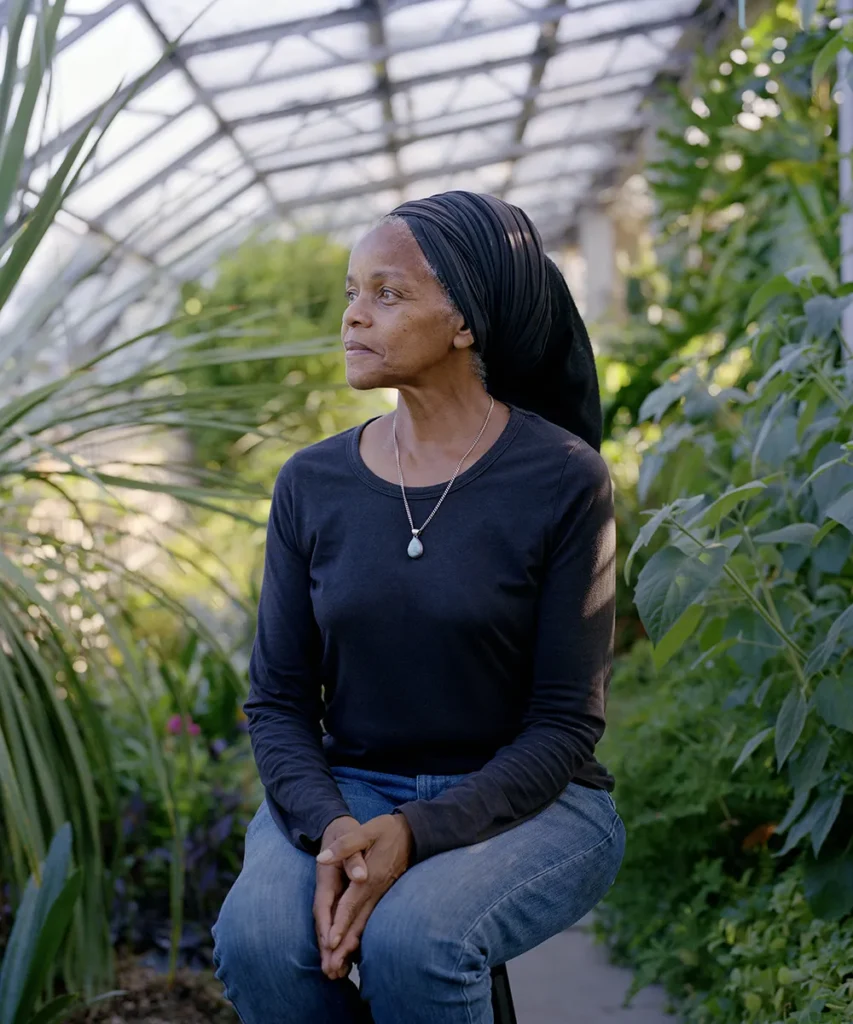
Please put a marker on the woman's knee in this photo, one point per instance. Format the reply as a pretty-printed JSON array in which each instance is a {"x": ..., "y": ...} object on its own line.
[
  {"x": 404, "y": 943},
  {"x": 258, "y": 935}
]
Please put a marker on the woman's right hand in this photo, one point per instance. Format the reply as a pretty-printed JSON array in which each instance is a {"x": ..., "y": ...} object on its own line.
[{"x": 331, "y": 883}]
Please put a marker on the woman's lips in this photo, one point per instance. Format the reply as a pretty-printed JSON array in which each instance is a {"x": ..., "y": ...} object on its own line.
[{"x": 353, "y": 348}]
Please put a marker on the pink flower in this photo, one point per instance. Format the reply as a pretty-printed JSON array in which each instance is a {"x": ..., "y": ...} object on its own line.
[{"x": 176, "y": 725}]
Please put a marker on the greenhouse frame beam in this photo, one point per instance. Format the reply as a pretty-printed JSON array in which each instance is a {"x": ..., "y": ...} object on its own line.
[
  {"x": 484, "y": 67},
  {"x": 546, "y": 47},
  {"x": 356, "y": 15},
  {"x": 224, "y": 128},
  {"x": 610, "y": 87},
  {"x": 375, "y": 150},
  {"x": 378, "y": 43},
  {"x": 354, "y": 192},
  {"x": 330, "y": 225},
  {"x": 70, "y": 134}
]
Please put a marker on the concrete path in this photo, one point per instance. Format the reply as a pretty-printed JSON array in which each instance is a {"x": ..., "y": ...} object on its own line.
[{"x": 569, "y": 980}]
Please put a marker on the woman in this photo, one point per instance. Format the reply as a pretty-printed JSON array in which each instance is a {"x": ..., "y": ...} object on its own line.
[{"x": 439, "y": 590}]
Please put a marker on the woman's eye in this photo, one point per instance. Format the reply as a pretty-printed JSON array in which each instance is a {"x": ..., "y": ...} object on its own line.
[
  {"x": 350, "y": 296},
  {"x": 386, "y": 293}
]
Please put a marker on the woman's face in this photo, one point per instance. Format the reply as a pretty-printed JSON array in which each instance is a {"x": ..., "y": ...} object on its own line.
[{"x": 399, "y": 328}]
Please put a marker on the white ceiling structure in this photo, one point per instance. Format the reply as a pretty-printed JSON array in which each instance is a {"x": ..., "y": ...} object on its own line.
[{"x": 322, "y": 115}]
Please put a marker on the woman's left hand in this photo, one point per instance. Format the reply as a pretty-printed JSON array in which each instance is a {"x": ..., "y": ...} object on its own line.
[{"x": 386, "y": 843}]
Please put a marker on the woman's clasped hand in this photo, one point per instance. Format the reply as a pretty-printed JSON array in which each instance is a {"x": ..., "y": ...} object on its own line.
[{"x": 356, "y": 866}]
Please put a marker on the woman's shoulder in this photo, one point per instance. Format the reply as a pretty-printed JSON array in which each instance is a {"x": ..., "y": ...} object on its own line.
[
  {"x": 328, "y": 455},
  {"x": 566, "y": 450}
]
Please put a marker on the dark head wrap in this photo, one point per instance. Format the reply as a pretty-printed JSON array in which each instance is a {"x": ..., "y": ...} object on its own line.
[{"x": 490, "y": 260}]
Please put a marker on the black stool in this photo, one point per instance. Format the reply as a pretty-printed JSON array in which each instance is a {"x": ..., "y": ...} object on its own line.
[
  {"x": 502, "y": 997},
  {"x": 502, "y": 1006}
]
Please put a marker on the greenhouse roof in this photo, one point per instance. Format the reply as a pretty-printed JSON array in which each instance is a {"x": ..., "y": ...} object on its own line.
[{"x": 322, "y": 115}]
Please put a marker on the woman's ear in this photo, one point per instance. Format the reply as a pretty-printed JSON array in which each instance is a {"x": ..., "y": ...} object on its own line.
[{"x": 464, "y": 338}]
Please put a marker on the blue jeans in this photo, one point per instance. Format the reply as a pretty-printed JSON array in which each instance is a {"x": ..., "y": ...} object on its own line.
[{"x": 429, "y": 944}]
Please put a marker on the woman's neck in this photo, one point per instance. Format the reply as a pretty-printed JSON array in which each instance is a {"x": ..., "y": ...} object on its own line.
[{"x": 441, "y": 418}]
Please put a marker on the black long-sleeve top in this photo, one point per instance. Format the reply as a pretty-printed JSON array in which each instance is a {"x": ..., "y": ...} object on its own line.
[{"x": 489, "y": 655}]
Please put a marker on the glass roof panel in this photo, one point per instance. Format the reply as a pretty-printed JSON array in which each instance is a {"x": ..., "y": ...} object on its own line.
[
  {"x": 473, "y": 118},
  {"x": 103, "y": 190},
  {"x": 283, "y": 157},
  {"x": 325, "y": 48},
  {"x": 494, "y": 46},
  {"x": 459, "y": 147},
  {"x": 318, "y": 87},
  {"x": 613, "y": 84},
  {"x": 283, "y": 114},
  {"x": 86, "y": 73},
  {"x": 549, "y": 164},
  {"x": 224, "y": 69},
  {"x": 580, "y": 64},
  {"x": 215, "y": 19},
  {"x": 639, "y": 51},
  {"x": 180, "y": 211},
  {"x": 456, "y": 94}
]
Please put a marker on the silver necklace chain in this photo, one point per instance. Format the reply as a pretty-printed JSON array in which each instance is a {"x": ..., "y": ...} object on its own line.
[{"x": 417, "y": 531}]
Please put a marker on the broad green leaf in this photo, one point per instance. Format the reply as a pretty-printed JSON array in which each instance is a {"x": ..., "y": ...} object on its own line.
[
  {"x": 796, "y": 808},
  {"x": 50, "y": 939},
  {"x": 823, "y": 314},
  {"x": 676, "y": 637},
  {"x": 29, "y": 921},
  {"x": 54, "y": 1011},
  {"x": 645, "y": 534},
  {"x": 841, "y": 628},
  {"x": 834, "y": 701},
  {"x": 825, "y": 60},
  {"x": 796, "y": 275},
  {"x": 671, "y": 581},
  {"x": 712, "y": 634},
  {"x": 805, "y": 770},
  {"x": 751, "y": 745},
  {"x": 756, "y": 641},
  {"x": 841, "y": 510},
  {"x": 791, "y": 356},
  {"x": 807, "y": 12},
  {"x": 649, "y": 529},
  {"x": 789, "y": 725},
  {"x": 772, "y": 289},
  {"x": 825, "y": 812},
  {"x": 719, "y": 509},
  {"x": 659, "y": 401},
  {"x": 795, "y": 533},
  {"x": 828, "y": 885},
  {"x": 816, "y": 822}
]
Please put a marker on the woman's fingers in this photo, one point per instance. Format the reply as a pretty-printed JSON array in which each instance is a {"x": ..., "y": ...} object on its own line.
[
  {"x": 351, "y": 941},
  {"x": 356, "y": 841},
  {"x": 347, "y": 910},
  {"x": 336, "y": 963},
  {"x": 356, "y": 868},
  {"x": 329, "y": 886}
]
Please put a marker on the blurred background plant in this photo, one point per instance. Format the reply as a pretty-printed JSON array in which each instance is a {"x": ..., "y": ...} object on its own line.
[
  {"x": 123, "y": 628},
  {"x": 732, "y": 737}
]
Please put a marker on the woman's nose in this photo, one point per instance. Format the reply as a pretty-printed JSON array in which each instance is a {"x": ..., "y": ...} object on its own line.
[{"x": 356, "y": 314}]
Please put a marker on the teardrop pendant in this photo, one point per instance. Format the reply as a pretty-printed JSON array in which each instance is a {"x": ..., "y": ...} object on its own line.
[{"x": 416, "y": 548}]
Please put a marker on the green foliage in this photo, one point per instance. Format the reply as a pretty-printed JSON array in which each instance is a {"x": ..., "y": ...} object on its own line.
[
  {"x": 700, "y": 905},
  {"x": 101, "y": 502},
  {"x": 735, "y": 763},
  {"x": 754, "y": 541},
  {"x": 43, "y": 920},
  {"x": 297, "y": 288}
]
